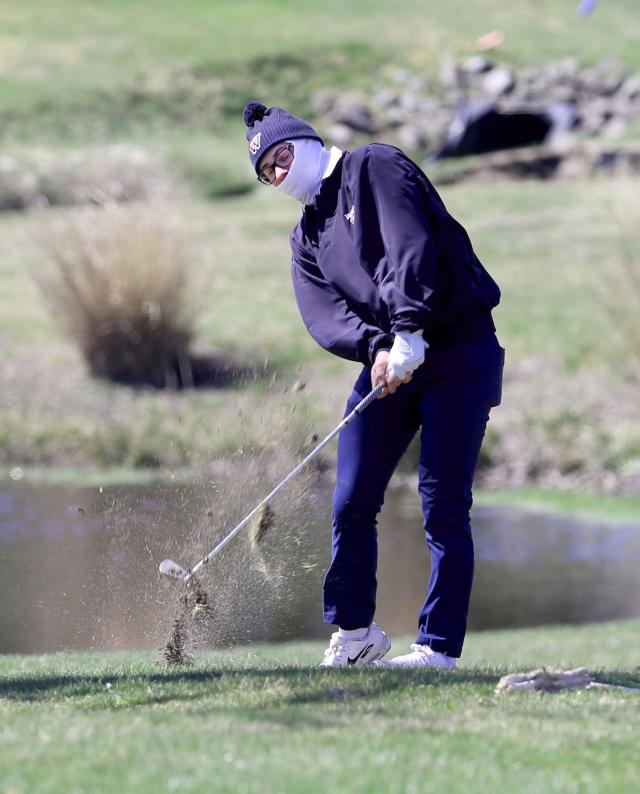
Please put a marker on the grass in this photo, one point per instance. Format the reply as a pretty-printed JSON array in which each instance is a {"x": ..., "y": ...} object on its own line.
[
  {"x": 246, "y": 293},
  {"x": 265, "y": 719},
  {"x": 56, "y": 414},
  {"x": 609, "y": 507},
  {"x": 104, "y": 70},
  {"x": 118, "y": 282},
  {"x": 136, "y": 73}
]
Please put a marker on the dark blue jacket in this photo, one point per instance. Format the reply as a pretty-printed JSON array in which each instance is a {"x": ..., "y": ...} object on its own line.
[{"x": 379, "y": 253}]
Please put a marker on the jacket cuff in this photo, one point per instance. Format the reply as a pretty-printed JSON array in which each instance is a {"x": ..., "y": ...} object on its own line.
[{"x": 378, "y": 343}]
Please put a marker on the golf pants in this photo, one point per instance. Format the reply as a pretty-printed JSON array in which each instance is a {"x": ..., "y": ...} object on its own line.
[{"x": 448, "y": 401}]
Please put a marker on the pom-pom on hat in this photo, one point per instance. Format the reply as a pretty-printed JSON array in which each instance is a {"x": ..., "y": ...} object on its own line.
[{"x": 267, "y": 126}]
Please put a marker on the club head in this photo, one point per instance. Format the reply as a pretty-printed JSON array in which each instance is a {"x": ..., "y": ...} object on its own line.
[{"x": 172, "y": 569}]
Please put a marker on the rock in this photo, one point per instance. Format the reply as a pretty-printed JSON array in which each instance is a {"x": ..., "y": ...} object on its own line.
[
  {"x": 562, "y": 143},
  {"x": 322, "y": 101},
  {"x": 386, "y": 97},
  {"x": 401, "y": 75},
  {"x": 340, "y": 134},
  {"x": 394, "y": 117},
  {"x": 498, "y": 82},
  {"x": 622, "y": 160},
  {"x": 626, "y": 109},
  {"x": 476, "y": 65},
  {"x": 412, "y": 103},
  {"x": 353, "y": 111},
  {"x": 594, "y": 114},
  {"x": 611, "y": 84},
  {"x": 630, "y": 89},
  {"x": 449, "y": 73},
  {"x": 412, "y": 137},
  {"x": 416, "y": 84},
  {"x": 614, "y": 128},
  {"x": 569, "y": 67},
  {"x": 562, "y": 92},
  {"x": 589, "y": 82}
]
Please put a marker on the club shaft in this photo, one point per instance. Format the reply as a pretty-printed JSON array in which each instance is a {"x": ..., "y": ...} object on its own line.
[{"x": 360, "y": 407}]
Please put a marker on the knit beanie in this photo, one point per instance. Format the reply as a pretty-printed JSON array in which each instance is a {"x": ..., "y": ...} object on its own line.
[{"x": 272, "y": 125}]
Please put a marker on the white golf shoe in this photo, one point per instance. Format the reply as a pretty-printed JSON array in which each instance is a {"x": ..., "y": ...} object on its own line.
[
  {"x": 421, "y": 656},
  {"x": 345, "y": 652}
]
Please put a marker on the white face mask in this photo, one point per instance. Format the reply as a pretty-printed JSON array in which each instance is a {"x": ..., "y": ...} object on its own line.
[{"x": 310, "y": 160}]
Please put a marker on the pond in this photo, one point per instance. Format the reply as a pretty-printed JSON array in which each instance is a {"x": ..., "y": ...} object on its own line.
[{"x": 78, "y": 566}]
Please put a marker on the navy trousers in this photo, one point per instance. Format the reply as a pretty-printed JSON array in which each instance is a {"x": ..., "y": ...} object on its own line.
[{"x": 448, "y": 401}]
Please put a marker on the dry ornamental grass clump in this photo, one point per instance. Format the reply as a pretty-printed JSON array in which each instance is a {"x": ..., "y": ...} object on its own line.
[
  {"x": 95, "y": 176},
  {"x": 118, "y": 280}
]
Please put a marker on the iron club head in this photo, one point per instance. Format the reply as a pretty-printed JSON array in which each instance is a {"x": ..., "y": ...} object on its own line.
[{"x": 172, "y": 569}]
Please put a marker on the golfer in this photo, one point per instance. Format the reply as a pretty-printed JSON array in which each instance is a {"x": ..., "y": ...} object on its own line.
[{"x": 385, "y": 276}]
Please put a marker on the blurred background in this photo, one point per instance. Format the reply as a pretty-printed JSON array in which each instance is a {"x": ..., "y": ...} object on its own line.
[{"x": 157, "y": 380}]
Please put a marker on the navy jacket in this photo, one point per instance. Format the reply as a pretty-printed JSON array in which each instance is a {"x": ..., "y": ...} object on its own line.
[{"x": 379, "y": 253}]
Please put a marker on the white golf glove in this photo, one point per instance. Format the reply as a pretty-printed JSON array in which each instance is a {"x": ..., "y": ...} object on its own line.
[{"x": 406, "y": 354}]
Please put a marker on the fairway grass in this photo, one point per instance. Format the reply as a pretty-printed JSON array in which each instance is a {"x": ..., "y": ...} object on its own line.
[
  {"x": 96, "y": 67},
  {"x": 266, "y": 719}
]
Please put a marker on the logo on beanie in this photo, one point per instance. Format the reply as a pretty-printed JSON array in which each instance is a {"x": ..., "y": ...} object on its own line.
[{"x": 254, "y": 144}]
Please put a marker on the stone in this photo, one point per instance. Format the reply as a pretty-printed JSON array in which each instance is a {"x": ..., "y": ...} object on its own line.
[
  {"x": 569, "y": 66},
  {"x": 594, "y": 114},
  {"x": 322, "y": 101},
  {"x": 353, "y": 111},
  {"x": 449, "y": 73},
  {"x": 394, "y": 117},
  {"x": 401, "y": 75},
  {"x": 476, "y": 65},
  {"x": 412, "y": 137},
  {"x": 611, "y": 84},
  {"x": 498, "y": 82},
  {"x": 386, "y": 97},
  {"x": 589, "y": 81},
  {"x": 416, "y": 84},
  {"x": 412, "y": 103},
  {"x": 340, "y": 134},
  {"x": 562, "y": 143},
  {"x": 630, "y": 89},
  {"x": 614, "y": 128}
]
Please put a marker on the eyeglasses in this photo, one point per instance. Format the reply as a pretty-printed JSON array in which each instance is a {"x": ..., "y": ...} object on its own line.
[{"x": 282, "y": 158}]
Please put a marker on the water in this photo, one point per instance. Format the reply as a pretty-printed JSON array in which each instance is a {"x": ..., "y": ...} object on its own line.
[{"x": 78, "y": 567}]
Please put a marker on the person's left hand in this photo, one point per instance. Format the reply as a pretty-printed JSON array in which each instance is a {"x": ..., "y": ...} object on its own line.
[{"x": 380, "y": 374}]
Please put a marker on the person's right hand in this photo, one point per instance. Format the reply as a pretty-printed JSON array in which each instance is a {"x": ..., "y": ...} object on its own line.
[{"x": 380, "y": 375}]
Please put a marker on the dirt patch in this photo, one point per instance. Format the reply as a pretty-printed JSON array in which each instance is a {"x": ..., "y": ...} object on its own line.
[
  {"x": 193, "y": 611},
  {"x": 261, "y": 524}
]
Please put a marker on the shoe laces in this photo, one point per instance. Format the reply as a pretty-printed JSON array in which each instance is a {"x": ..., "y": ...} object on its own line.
[{"x": 336, "y": 647}]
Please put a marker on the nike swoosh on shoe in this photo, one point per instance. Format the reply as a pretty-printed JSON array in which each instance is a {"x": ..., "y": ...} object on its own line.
[{"x": 361, "y": 655}]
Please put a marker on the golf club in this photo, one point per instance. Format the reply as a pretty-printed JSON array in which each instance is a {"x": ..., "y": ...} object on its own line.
[{"x": 177, "y": 571}]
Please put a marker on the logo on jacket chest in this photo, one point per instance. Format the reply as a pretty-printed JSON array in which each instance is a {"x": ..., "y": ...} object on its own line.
[{"x": 351, "y": 215}]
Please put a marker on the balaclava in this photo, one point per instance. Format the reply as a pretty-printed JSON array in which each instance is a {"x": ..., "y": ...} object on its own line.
[{"x": 310, "y": 160}]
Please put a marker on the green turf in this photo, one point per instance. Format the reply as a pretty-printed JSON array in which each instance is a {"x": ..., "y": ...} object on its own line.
[
  {"x": 55, "y": 414},
  {"x": 609, "y": 507},
  {"x": 109, "y": 66},
  {"x": 265, "y": 719},
  {"x": 173, "y": 83}
]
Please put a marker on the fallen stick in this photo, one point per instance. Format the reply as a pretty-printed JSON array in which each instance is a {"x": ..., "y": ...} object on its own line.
[{"x": 546, "y": 679}]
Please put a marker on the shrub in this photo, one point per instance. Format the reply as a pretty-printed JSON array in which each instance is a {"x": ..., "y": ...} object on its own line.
[
  {"x": 93, "y": 176},
  {"x": 117, "y": 279}
]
